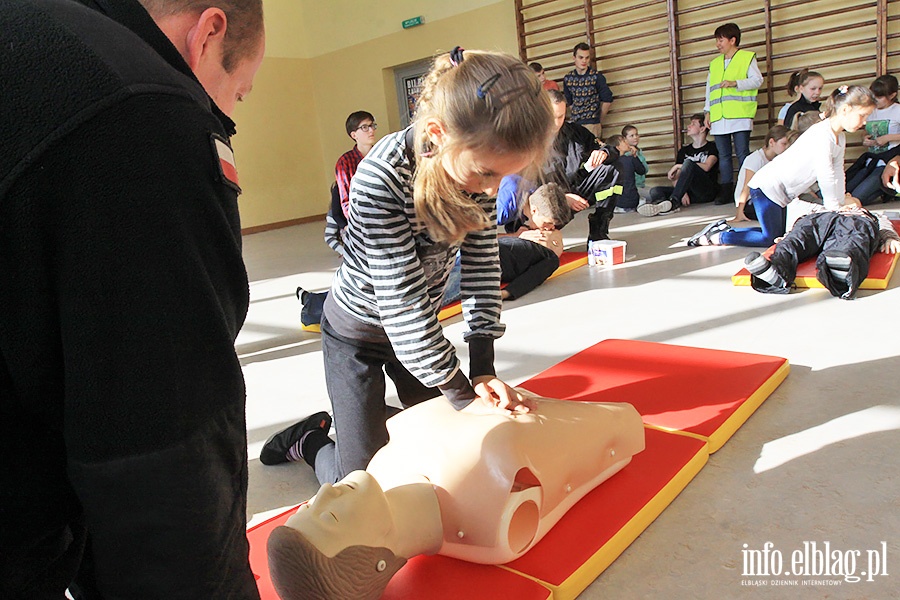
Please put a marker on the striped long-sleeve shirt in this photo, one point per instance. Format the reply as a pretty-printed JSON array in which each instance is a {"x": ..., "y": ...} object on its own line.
[{"x": 393, "y": 273}]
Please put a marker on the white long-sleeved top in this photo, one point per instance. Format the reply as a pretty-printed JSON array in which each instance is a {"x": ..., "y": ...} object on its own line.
[
  {"x": 393, "y": 273},
  {"x": 816, "y": 156},
  {"x": 752, "y": 82}
]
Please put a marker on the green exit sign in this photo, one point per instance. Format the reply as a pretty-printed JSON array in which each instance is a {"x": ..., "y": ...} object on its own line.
[{"x": 413, "y": 22}]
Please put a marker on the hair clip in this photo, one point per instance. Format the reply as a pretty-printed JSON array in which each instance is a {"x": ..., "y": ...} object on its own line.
[
  {"x": 456, "y": 56},
  {"x": 486, "y": 86},
  {"x": 843, "y": 89}
]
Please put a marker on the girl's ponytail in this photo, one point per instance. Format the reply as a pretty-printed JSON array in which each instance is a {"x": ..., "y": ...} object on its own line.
[
  {"x": 483, "y": 101},
  {"x": 852, "y": 95}
]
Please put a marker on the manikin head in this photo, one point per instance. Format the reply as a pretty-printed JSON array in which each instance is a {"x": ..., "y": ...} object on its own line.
[
  {"x": 344, "y": 529},
  {"x": 223, "y": 44}
]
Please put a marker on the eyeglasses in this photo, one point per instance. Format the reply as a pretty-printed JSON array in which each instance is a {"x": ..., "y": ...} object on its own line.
[{"x": 365, "y": 128}]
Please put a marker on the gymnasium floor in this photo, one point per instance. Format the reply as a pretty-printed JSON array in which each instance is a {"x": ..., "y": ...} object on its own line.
[{"x": 816, "y": 463}]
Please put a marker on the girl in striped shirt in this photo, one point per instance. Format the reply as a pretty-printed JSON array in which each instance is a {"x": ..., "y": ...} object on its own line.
[{"x": 417, "y": 198}]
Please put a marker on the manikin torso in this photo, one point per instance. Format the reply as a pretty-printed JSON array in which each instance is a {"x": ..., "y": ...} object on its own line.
[{"x": 501, "y": 480}]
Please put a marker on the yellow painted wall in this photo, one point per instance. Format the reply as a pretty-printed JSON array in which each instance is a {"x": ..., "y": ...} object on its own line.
[
  {"x": 291, "y": 128},
  {"x": 278, "y": 146}
]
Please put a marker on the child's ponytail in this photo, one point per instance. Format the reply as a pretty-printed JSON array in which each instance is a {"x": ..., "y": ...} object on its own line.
[
  {"x": 800, "y": 78},
  {"x": 794, "y": 81},
  {"x": 482, "y": 100},
  {"x": 851, "y": 95}
]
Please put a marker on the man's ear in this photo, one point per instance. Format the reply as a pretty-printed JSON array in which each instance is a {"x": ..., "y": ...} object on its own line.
[
  {"x": 435, "y": 131},
  {"x": 206, "y": 39}
]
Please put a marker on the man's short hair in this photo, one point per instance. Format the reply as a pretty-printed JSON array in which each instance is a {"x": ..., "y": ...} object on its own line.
[
  {"x": 728, "y": 31},
  {"x": 244, "y": 31},
  {"x": 536, "y": 67},
  {"x": 582, "y": 46},
  {"x": 356, "y": 118},
  {"x": 557, "y": 97}
]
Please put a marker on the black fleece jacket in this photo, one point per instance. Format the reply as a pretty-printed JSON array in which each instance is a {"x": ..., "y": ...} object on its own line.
[{"x": 122, "y": 290}]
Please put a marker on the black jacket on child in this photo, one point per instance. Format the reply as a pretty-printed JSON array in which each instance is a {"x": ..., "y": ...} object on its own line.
[{"x": 838, "y": 234}]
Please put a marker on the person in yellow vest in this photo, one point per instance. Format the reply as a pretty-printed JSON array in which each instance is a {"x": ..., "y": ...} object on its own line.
[{"x": 731, "y": 87}]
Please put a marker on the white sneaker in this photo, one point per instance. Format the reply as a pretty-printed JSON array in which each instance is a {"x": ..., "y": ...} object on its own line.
[{"x": 651, "y": 210}]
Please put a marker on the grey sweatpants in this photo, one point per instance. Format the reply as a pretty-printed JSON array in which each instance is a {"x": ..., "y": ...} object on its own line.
[{"x": 354, "y": 377}]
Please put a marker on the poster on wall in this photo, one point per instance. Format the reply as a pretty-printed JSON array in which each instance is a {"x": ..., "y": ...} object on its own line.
[
  {"x": 413, "y": 86},
  {"x": 408, "y": 80}
]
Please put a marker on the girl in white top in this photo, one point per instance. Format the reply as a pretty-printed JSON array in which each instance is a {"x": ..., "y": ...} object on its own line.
[
  {"x": 817, "y": 156},
  {"x": 776, "y": 141}
]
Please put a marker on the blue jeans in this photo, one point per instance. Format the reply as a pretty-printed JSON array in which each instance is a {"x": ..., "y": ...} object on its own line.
[
  {"x": 741, "y": 148},
  {"x": 867, "y": 187},
  {"x": 772, "y": 219},
  {"x": 452, "y": 291}
]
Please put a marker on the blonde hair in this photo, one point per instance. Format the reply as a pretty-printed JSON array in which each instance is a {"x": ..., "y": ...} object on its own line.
[{"x": 484, "y": 101}]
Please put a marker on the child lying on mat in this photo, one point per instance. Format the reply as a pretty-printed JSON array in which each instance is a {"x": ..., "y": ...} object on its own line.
[
  {"x": 844, "y": 240},
  {"x": 531, "y": 254}
]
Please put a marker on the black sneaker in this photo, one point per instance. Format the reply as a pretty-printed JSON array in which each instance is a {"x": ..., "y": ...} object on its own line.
[
  {"x": 274, "y": 451},
  {"x": 302, "y": 295}
]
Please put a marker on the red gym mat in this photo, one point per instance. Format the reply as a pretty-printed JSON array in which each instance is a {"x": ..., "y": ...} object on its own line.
[
  {"x": 691, "y": 399},
  {"x": 432, "y": 577},
  {"x": 708, "y": 393},
  {"x": 881, "y": 269}
]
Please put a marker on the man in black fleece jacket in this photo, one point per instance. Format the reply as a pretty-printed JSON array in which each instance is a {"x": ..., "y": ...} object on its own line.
[{"x": 122, "y": 289}]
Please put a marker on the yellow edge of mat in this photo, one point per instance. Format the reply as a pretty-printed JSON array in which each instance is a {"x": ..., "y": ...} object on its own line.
[
  {"x": 571, "y": 266},
  {"x": 311, "y": 328},
  {"x": 605, "y": 556},
  {"x": 455, "y": 309},
  {"x": 740, "y": 416},
  {"x": 869, "y": 283},
  {"x": 450, "y": 311}
]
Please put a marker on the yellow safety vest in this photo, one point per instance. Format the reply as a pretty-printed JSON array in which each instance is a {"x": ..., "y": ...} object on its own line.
[{"x": 729, "y": 103}]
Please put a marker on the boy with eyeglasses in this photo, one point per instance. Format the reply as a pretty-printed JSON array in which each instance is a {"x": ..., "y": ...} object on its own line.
[{"x": 361, "y": 127}]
